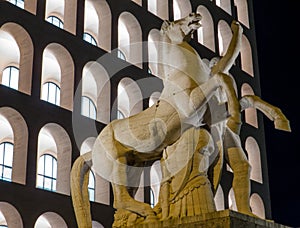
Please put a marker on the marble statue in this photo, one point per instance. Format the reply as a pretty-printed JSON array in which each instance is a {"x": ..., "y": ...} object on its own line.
[{"x": 172, "y": 131}]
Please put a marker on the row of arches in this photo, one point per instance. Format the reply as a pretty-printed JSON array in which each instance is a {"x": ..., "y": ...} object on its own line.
[
  {"x": 57, "y": 75},
  {"x": 10, "y": 217},
  {"x": 98, "y": 18}
]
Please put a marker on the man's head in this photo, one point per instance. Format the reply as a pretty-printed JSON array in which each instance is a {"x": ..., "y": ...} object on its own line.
[{"x": 181, "y": 29}]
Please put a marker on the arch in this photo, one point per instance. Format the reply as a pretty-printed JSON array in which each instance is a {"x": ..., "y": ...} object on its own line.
[
  {"x": 97, "y": 22},
  {"x": 97, "y": 224},
  {"x": 17, "y": 49},
  {"x": 130, "y": 100},
  {"x": 181, "y": 8},
  {"x": 55, "y": 8},
  {"x": 139, "y": 2},
  {"x": 65, "y": 10},
  {"x": 54, "y": 139},
  {"x": 58, "y": 67},
  {"x": 225, "y": 5},
  {"x": 231, "y": 200},
  {"x": 206, "y": 35},
  {"x": 102, "y": 192},
  {"x": 30, "y": 6},
  {"x": 253, "y": 152},
  {"x": 257, "y": 205},
  {"x": 246, "y": 56},
  {"x": 159, "y": 8},
  {"x": 219, "y": 199},
  {"x": 153, "y": 47},
  {"x": 20, "y": 139},
  {"x": 153, "y": 98},
  {"x": 250, "y": 113},
  {"x": 242, "y": 11},
  {"x": 50, "y": 219},
  {"x": 224, "y": 36},
  {"x": 155, "y": 180},
  {"x": 96, "y": 85},
  {"x": 130, "y": 38},
  {"x": 11, "y": 215}
]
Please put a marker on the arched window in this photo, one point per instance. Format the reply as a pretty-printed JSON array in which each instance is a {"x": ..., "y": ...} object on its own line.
[
  {"x": 206, "y": 32},
  {"x": 91, "y": 186},
  {"x": 121, "y": 55},
  {"x": 225, "y": 5},
  {"x": 6, "y": 160},
  {"x": 19, "y": 3},
  {"x": 231, "y": 200},
  {"x": 89, "y": 38},
  {"x": 88, "y": 108},
  {"x": 50, "y": 219},
  {"x": 47, "y": 172},
  {"x": 257, "y": 205},
  {"x": 9, "y": 216},
  {"x": 120, "y": 115},
  {"x": 250, "y": 113},
  {"x": 152, "y": 198},
  {"x": 254, "y": 155},
  {"x": 181, "y": 8},
  {"x": 51, "y": 93},
  {"x": 16, "y": 50},
  {"x": 219, "y": 199},
  {"x": 10, "y": 77},
  {"x": 159, "y": 8},
  {"x": 130, "y": 38},
  {"x": 55, "y": 21}
]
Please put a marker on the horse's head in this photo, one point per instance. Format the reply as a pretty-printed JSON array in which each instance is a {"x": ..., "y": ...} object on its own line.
[{"x": 181, "y": 29}]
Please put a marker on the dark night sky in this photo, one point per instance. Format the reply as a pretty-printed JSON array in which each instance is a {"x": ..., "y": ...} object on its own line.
[{"x": 278, "y": 55}]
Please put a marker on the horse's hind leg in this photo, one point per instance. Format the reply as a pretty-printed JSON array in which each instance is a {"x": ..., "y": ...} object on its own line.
[{"x": 110, "y": 162}]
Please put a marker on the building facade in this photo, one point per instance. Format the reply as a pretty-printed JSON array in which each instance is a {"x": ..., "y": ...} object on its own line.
[{"x": 67, "y": 68}]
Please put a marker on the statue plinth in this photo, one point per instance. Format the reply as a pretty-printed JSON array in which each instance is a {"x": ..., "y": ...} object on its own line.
[{"x": 219, "y": 219}]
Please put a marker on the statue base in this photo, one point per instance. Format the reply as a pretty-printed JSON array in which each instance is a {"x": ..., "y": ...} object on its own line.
[{"x": 224, "y": 219}]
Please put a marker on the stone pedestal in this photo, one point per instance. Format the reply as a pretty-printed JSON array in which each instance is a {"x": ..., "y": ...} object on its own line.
[{"x": 219, "y": 219}]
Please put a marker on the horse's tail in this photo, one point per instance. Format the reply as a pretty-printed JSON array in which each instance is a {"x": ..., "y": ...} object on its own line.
[
  {"x": 79, "y": 190},
  {"x": 272, "y": 112}
]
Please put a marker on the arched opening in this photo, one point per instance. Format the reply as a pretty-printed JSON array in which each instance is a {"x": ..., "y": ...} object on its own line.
[
  {"x": 97, "y": 22},
  {"x": 97, "y": 225},
  {"x": 225, "y": 5},
  {"x": 54, "y": 13},
  {"x": 9, "y": 216},
  {"x": 130, "y": 38},
  {"x": 153, "y": 98},
  {"x": 219, "y": 199},
  {"x": 246, "y": 56},
  {"x": 155, "y": 180},
  {"x": 159, "y": 8},
  {"x": 14, "y": 130},
  {"x": 101, "y": 186},
  {"x": 139, "y": 2},
  {"x": 54, "y": 144},
  {"x": 257, "y": 205},
  {"x": 250, "y": 113},
  {"x": 181, "y": 8},
  {"x": 253, "y": 152},
  {"x": 50, "y": 219},
  {"x": 242, "y": 11},
  {"x": 231, "y": 200},
  {"x": 96, "y": 87},
  {"x": 130, "y": 100},
  {"x": 57, "y": 69},
  {"x": 153, "y": 47},
  {"x": 206, "y": 35},
  {"x": 16, "y": 50},
  {"x": 224, "y": 36}
]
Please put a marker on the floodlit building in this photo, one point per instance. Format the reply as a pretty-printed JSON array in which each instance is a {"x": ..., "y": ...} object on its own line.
[{"x": 67, "y": 68}]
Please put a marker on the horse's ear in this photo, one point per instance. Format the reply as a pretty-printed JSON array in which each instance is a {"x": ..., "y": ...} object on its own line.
[{"x": 165, "y": 26}]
